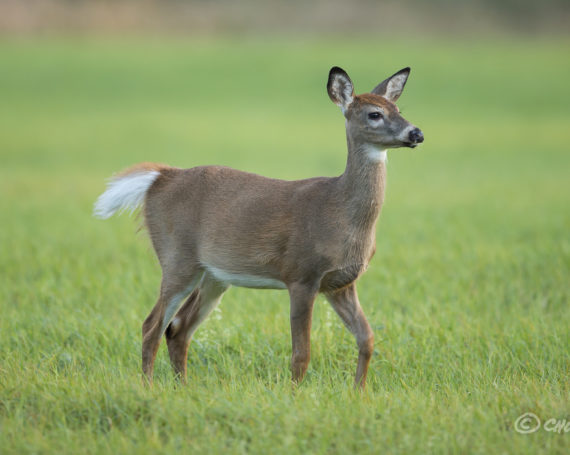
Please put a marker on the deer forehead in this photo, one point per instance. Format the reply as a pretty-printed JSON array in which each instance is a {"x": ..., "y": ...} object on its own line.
[{"x": 361, "y": 101}]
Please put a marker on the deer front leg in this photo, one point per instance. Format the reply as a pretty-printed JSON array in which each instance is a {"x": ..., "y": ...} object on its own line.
[
  {"x": 345, "y": 303},
  {"x": 302, "y": 300}
]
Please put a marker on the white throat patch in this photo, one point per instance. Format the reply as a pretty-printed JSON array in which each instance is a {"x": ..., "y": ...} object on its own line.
[{"x": 375, "y": 154}]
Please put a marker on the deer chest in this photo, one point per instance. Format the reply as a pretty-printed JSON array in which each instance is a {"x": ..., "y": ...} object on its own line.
[{"x": 356, "y": 254}]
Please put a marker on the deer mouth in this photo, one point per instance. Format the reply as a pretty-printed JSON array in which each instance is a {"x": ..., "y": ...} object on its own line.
[{"x": 411, "y": 144}]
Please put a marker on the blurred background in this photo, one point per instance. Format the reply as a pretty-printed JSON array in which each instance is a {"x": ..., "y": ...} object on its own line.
[{"x": 295, "y": 16}]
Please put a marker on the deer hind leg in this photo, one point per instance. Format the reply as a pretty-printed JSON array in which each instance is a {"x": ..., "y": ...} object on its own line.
[
  {"x": 173, "y": 290},
  {"x": 345, "y": 303},
  {"x": 194, "y": 311},
  {"x": 302, "y": 300}
]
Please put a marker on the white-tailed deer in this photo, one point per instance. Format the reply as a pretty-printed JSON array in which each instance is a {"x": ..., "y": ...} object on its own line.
[{"x": 213, "y": 227}]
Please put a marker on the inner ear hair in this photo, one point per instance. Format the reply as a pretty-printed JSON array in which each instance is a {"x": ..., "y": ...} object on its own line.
[
  {"x": 340, "y": 87},
  {"x": 392, "y": 87}
]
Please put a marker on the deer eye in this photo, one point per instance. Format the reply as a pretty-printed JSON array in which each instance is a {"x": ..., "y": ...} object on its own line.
[{"x": 375, "y": 116}]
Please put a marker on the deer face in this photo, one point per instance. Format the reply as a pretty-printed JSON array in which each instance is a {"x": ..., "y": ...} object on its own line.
[{"x": 373, "y": 119}]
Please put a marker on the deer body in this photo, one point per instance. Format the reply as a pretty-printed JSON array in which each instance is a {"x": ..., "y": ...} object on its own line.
[
  {"x": 236, "y": 225},
  {"x": 213, "y": 227}
]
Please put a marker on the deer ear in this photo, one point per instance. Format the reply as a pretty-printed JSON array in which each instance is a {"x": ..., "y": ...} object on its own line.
[
  {"x": 340, "y": 88},
  {"x": 392, "y": 88}
]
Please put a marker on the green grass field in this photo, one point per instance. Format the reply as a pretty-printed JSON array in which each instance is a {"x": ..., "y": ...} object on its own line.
[{"x": 468, "y": 293}]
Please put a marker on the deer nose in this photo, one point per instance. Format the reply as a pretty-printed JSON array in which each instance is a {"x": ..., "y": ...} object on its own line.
[{"x": 416, "y": 136}]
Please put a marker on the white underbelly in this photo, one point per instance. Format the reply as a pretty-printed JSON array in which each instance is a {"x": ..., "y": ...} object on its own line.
[{"x": 244, "y": 280}]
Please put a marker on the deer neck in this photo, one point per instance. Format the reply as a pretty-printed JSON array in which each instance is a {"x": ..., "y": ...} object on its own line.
[{"x": 363, "y": 182}]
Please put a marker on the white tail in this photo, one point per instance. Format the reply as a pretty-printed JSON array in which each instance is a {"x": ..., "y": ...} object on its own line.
[
  {"x": 213, "y": 227},
  {"x": 124, "y": 192}
]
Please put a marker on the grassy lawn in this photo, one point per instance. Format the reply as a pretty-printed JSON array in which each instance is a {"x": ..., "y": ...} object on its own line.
[{"x": 468, "y": 293}]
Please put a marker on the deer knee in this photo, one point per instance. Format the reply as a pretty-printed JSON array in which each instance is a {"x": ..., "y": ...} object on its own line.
[{"x": 366, "y": 345}]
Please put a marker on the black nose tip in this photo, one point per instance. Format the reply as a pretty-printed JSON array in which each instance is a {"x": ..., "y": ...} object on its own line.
[{"x": 416, "y": 136}]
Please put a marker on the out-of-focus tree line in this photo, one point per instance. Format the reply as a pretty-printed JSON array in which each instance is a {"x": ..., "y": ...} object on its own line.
[{"x": 293, "y": 16}]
